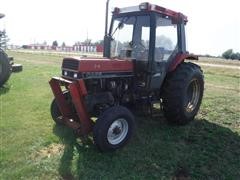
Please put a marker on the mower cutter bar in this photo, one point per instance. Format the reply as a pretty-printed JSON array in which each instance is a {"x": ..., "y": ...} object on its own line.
[{"x": 79, "y": 121}]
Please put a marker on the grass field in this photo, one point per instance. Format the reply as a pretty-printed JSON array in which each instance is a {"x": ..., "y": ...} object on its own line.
[{"x": 33, "y": 147}]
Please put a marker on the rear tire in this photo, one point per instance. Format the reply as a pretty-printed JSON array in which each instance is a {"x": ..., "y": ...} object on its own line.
[
  {"x": 5, "y": 67},
  {"x": 182, "y": 93},
  {"x": 113, "y": 129}
]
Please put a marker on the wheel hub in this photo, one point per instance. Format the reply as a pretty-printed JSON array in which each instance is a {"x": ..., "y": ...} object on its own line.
[
  {"x": 193, "y": 94},
  {"x": 117, "y": 131}
]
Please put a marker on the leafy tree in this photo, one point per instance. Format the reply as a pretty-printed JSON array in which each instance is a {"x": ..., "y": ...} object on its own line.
[
  {"x": 227, "y": 54},
  {"x": 3, "y": 39},
  {"x": 100, "y": 42},
  {"x": 87, "y": 42},
  {"x": 63, "y": 44},
  {"x": 235, "y": 56},
  {"x": 77, "y": 43},
  {"x": 238, "y": 56},
  {"x": 55, "y": 44}
]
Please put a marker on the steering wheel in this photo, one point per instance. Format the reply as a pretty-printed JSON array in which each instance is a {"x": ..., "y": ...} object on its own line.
[
  {"x": 138, "y": 47},
  {"x": 139, "y": 50}
]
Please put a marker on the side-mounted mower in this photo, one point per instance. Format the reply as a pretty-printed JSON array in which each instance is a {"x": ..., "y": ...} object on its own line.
[{"x": 144, "y": 53}]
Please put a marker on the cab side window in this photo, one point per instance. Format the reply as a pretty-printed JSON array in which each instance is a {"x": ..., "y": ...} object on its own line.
[{"x": 166, "y": 38}]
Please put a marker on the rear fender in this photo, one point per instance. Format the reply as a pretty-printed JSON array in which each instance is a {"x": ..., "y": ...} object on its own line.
[{"x": 179, "y": 59}]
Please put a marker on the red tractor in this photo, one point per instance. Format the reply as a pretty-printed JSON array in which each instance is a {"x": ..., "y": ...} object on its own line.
[{"x": 144, "y": 53}]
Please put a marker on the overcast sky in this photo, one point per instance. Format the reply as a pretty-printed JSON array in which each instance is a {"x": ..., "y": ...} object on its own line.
[{"x": 213, "y": 27}]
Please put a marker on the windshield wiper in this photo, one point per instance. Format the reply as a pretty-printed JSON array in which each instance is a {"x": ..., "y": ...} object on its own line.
[{"x": 120, "y": 25}]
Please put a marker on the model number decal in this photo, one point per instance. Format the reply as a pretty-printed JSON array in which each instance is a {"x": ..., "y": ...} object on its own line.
[{"x": 97, "y": 66}]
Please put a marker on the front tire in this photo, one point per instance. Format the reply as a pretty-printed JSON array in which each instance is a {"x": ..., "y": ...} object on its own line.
[
  {"x": 55, "y": 112},
  {"x": 113, "y": 128},
  {"x": 182, "y": 93}
]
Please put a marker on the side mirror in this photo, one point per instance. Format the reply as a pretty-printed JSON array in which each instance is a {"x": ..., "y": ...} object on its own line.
[{"x": 120, "y": 25}]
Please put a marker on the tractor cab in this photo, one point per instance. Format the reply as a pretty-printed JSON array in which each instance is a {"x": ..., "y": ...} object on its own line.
[{"x": 151, "y": 36}]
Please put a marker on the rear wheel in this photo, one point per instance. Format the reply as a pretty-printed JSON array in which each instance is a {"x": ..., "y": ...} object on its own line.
[
  {"x": 182, "y": 93},
  {"x": 113, "y": 128},
  {"x": 5, "y": 67}
]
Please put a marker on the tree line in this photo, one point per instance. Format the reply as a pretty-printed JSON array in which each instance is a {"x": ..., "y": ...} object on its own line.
[
  {"x": 86, "y": 42},
  {"x": 229, "y": 54}
]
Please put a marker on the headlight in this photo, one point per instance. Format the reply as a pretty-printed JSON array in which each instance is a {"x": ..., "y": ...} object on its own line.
[
  {"x": 65, "y": 73},
  {"x": 75, "y": 75}
]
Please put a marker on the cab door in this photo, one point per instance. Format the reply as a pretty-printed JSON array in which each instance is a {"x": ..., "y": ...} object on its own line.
[
  {"x": 166, "y": 40},
  {"x": 140, "y": 50}
]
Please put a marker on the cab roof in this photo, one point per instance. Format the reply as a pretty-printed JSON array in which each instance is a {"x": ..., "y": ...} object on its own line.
[{"x": 148, "y": 7}]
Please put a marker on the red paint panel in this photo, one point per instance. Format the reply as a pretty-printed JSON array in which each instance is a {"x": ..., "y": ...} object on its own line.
[
  {"x": 77, "y": 91},
  {"x": 168, "y": 12},
  {"x": 82, "y": 89},
  {"x": 99, "y": 48},
  {"x": 180, "y": 58},
  {"x": 60, "y": 99},
  {"x": 159, "y": 9},
  {"x": 103, "y": 65}
]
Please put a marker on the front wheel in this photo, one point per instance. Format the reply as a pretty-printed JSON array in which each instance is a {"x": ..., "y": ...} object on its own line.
[
  {"x": 113, "y": 128},
  {"x": 182, "y": 93},
  {"x": 55, "y": 111}
]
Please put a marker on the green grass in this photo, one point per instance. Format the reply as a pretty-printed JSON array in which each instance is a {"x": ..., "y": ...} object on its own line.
[
  {"x": 33, "y": 147},
  {"x": 219, "y": 61}
]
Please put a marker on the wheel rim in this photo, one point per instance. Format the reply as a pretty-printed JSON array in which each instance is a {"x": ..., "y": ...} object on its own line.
[
  {"x": 117, "y": 131},
  {"x": 193, "y": 94}
]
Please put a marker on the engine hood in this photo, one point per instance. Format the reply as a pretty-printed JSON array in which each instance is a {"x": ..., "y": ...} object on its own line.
[{"x": 83, "y": 65}]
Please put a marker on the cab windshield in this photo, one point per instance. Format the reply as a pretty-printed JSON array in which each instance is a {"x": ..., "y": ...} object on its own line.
[{"x": 130, "y": 37}]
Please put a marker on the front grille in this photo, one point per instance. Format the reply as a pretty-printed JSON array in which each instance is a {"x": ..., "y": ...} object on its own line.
[{"x": 70, "y": 64}]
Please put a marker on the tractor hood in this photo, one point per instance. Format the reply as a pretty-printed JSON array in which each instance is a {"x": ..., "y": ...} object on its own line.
[{"x": 75, "y": 67}]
